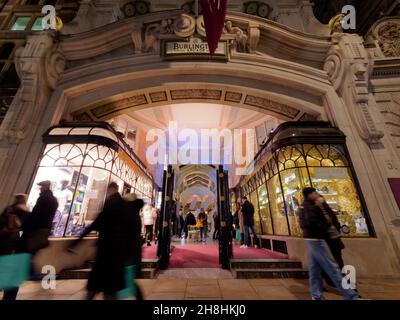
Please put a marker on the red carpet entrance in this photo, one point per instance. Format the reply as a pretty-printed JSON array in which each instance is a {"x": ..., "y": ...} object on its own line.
[{"x": 206, "y": 255}]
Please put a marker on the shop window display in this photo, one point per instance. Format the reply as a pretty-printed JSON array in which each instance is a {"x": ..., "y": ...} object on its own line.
[
  {"x": 290, "y": 169},
  {"x": 277, "y": 206},
  {"x": 265, "y": 214},
  {"x": 80, "y": 174},
  {"x": 257, "y": 223}
]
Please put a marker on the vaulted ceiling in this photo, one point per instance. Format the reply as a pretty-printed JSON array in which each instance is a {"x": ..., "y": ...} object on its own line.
[{"x": 198, "y": 116}]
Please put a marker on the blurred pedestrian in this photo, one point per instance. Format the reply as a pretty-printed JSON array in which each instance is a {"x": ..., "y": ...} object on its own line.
[
  {"x": 38, "y": 224},
  {"x": 201, "y": 224},
  {"x": 181, "y": 224},
  {"x": 108, "y": 272},
  {"x": 189, "y": 221},
  {"x": 149, "y": 215},
  {"x": 317, "y": 230},
  {"x": 134, "y": 238},
  {"x": 217, "y": 225},
  {"x": 11, "y": 221},
  {"x": 248, "y": 223}
]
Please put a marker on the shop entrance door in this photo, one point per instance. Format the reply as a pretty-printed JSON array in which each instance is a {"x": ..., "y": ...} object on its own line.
[
  {"x": 164, "y": 226},
  {"x": 225, "y": 215}
]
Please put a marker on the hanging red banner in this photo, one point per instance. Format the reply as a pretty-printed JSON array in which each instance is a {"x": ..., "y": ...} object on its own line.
[{"x": 214, "y": 12}]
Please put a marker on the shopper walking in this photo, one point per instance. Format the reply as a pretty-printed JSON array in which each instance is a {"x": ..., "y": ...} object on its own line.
[
  {"x": 133, "y": 244},
  {"x": 149, "y": 217},
  {"x": 248, "y": 223},
  {"x": 37, "y": 226},
  {"x": 108, "y": 272},
  {"x": 181, "y": 224},
  {"x": 201, "y": 224},
  {"x": 317, "y": 231},
  {"x": 189, "y": 221},
  {"x": 11, "y": 221}
]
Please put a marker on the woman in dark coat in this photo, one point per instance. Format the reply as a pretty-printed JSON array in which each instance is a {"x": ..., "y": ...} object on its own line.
[{"x": 108, "y": 272}]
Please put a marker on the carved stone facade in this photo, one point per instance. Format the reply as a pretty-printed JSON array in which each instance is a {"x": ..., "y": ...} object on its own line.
[
  {"x": 384, "y": 38},
  {"x": 39, "y": 64},
  {"x": 348, "y": 68},
  {"x": 272, "y": 69},
  {"x": 292, "y": 13},
  {"x": 154, "y": 97},
  {"x": 147, "y": 37}
]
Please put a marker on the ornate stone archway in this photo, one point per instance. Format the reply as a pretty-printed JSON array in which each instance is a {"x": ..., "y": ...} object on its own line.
[{"x": 270, "y": 68}]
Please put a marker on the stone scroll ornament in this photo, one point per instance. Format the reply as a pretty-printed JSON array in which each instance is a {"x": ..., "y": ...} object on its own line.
[{"x": 214, "y": 12}]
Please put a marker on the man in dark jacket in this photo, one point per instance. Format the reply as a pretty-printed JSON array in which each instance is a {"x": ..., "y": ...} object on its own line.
[
  {"x": 248, "y": 223},
  {"x": 108, "y": 272},
  {"x": 316, "y": 233},
  {"x": 190, "y": 221},
  {"x": 37, "y": 226}
]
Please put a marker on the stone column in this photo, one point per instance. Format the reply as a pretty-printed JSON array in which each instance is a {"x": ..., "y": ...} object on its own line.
[
  {"x": 39, "y": 64},
  {"x": 349, "y": 68}
]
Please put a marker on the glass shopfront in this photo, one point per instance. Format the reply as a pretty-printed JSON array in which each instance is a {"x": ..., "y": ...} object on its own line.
[
  {"x": 81, "y": 160},
  {"x": 284, "y": 170}
]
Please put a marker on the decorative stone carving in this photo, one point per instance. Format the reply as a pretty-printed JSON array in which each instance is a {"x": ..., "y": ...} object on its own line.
[
  {"x": 39, "y": 64},
  {"x": 153, "y": 32},
  {"x": 388, "y": 35},
  {"x": 233, "y": 96},
  {"x": 348, "y": 67},
  {"x": 186, "y": 26},
  {"x": 196, "y": 94},
  {"x": 241, "y": 38},
  {"x": 193, "y": 93},
  {"x": 113, "y": 107},
  {"x": 158, "y": 96},
  {"x": 271, "y": 105},
  {"x": 383, "y": 39}
]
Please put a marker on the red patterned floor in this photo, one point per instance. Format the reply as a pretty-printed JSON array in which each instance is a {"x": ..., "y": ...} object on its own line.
[{"x": 206, "y": 255}]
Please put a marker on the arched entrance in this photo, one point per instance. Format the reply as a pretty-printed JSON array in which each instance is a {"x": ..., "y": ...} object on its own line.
[{"x": 121, "y": 68}]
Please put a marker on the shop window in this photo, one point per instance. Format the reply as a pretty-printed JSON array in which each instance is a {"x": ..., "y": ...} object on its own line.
[
  {"x": 90, "y": 193},
  {"x": 292, "y": 168},
  {"x": 265, "y": 213},
  {"x": 20, "y": 23},
  {"x": 257, "y": 222},
  {"x": 277, "y": 206},
  {"x": 80, "y": 174},
  {"x": 37, "y": 25},
  {"x": 293, "y": 182}
]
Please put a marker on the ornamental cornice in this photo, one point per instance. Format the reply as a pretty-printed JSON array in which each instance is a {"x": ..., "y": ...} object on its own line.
[{"x": 245, "y": 33}]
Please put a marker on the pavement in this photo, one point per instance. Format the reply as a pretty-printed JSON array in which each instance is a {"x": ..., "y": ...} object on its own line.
[{"x": 214, "y": 284}]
